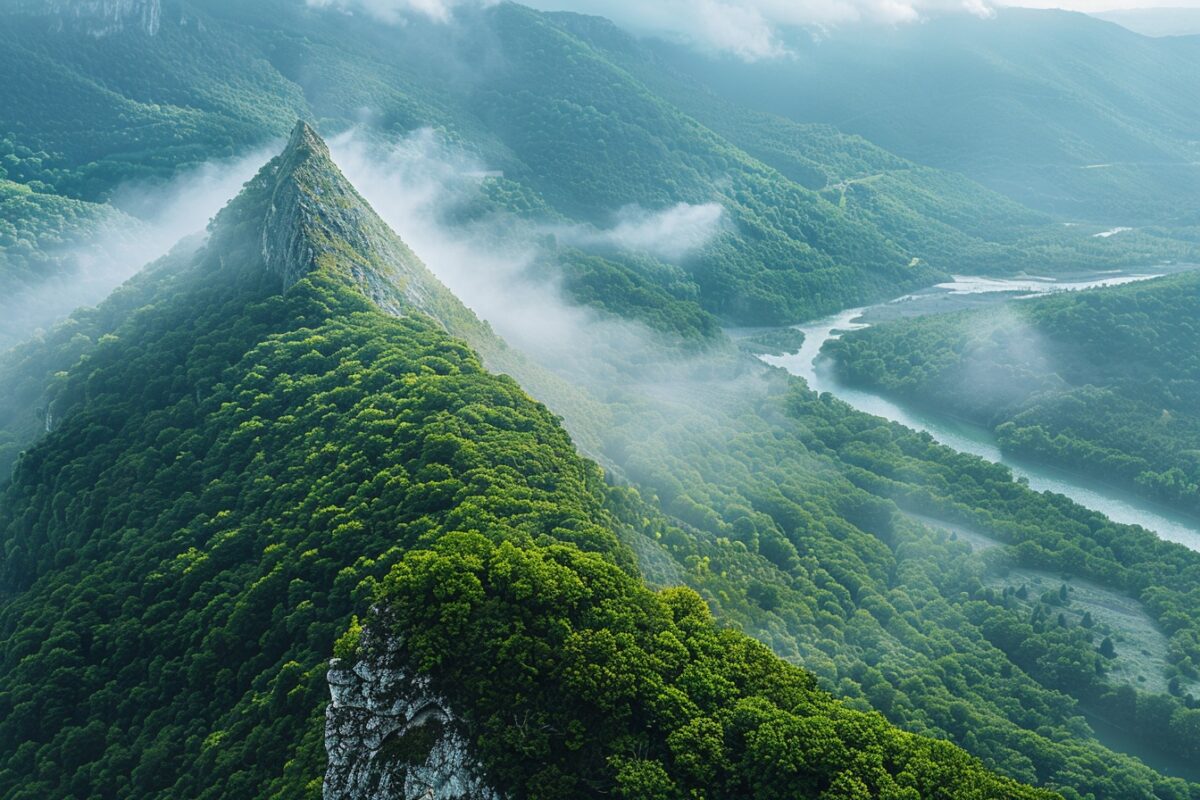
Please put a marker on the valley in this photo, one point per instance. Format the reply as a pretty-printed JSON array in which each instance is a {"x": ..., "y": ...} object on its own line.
[
  {"x": 457, "y": 400},
  {"x": 965, "y": 436}
]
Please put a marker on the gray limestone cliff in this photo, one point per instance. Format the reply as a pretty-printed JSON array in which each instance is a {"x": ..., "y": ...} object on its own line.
[
  {"x": 95, "y": 17},
  {"x": 312, "y": 218},
  {"x": 389, "y": 737}
]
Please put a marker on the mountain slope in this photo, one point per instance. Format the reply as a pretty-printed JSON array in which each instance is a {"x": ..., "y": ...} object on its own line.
[
  {"x": 1059, "y": 111},
  {"x": 781, "y": 507},
  {"x": 581, "y": 134},
  {"x": 1156, "y": 21},
  {"x": 237, "y": 466},
  {"x": 537, "y": 85},
  {"x": 940, "y": 217}
]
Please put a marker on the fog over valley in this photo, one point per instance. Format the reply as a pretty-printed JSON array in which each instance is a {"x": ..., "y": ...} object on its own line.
[{"x": 464, "y": 400}]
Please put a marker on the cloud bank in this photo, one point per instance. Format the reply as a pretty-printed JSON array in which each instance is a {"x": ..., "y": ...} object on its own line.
[
  {"x": 394, "y": 11},
  {"x": 419, "y": 183},
  {"x": 160, "y": 215},
  {"x": 670, "y": 234},
  {"x": 751, "y": 29},
  {"x": 494, "y": 264}
]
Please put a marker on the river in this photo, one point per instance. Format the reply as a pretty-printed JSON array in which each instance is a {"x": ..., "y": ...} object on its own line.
[{"x": 810, "y": 364}]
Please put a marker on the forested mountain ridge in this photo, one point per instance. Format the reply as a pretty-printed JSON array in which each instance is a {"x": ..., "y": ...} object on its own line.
[
  {"x": 244, "y": 446},
  {"x": 1060, "y": 111},
  {"x": 241, "y": 467},
  {"x": 941, "y": 216},
  {"x": 780, "y": 512},
  {"x": 215, "y": 78},
  {"x": 1104, "y": 381}
]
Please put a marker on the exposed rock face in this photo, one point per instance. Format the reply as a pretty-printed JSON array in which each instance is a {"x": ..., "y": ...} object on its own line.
[
  {"x": 390, "y": 738},
  {"x": 314, "y": 217},
  {"x": 98, "y": 17}
]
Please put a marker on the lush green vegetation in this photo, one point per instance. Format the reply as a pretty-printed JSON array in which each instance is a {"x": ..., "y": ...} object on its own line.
[
  {"x": 34, "y": 224},
  {"x": 1058, "y": 111},
  {"x": 229, "y": 472},
  {"x": 790, "y": 530},
  {"x": 814, "y": 220},
  {"x": 627, "y": 693},
  {"x": 1106, "y": 382},
  {"x": 940, "y": 217},
  {"x": 777, "y": 507},
  {"x": 640, "y": 288},
  {"x": 238, "y": 470}
]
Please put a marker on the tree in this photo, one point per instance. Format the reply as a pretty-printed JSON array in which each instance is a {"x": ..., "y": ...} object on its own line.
[{"x": 1107, "y": 649}]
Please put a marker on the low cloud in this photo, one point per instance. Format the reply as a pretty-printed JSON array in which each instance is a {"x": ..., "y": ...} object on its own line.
[
  {"x": 670, "y": 234},
  {"x": 1006, "y": 359},
  {"x": 751, "y": 29},
  {"x": 420, "y": 186},
  {"x": 394, "y": 11},
  {"x": 157, "y": 216},
  {"x": 419, "y": 183}
]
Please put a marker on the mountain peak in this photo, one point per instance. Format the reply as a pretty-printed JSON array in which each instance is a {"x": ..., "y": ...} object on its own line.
[
  {"x": 306, "y": 141},
  {"x": 306, "y": 217},
  {"x": 316, "y": 219}
]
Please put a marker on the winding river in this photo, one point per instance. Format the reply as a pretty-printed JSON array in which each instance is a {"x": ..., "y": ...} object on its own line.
[{"x": 810, "y": 364}]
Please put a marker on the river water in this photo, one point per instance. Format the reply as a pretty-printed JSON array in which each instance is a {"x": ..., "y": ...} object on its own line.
[{"x": 808, "y": 363}]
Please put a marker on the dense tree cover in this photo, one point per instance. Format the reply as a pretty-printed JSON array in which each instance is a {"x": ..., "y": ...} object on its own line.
[
  {"x": 552, "y": 113},
  {"x": 625, "y": 693},
  {"x": 789, "y": 529},
  {"x": 234, "y": 462},
  {"x": 941, "y": 217},
  {"x": 579, "y": 130},
  {"x": 1059, "y": 111},
  {"x": 50, "y": 247},
  {"x": 1105, "y": 381},
  {"x": 91, "y": 111},
  {"x": 169, "y": 632},
  {"x": 33, "y": 224},
  {"x": 32, "y": 371},
  {"x": 1050, "y": 532},
  {"x": 777, "y": 507},
  {"x": 236, "y": 471},
  {"x": 661, "y": 296},
  {"x": 1065, "y": 653}
]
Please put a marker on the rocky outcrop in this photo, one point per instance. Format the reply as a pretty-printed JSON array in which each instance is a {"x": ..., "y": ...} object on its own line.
[
  {"x": 315, "y": 216},
  {"x": 389, "y": 737},
  {"x": 97, "y": 17}
]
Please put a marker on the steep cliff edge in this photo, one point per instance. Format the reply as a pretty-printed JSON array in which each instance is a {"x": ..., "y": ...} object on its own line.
[
  {"x": 390, "y": 737},
  {"x": 312, "y": 218},
  {"x": 96, "y": 17}
]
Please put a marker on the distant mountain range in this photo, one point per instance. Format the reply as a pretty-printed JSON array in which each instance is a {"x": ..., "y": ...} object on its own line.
[
  {"x": 1156, "y": 21},
  {"x": 576, "y": 121},
  {"x": 1060, "y": 111}
]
